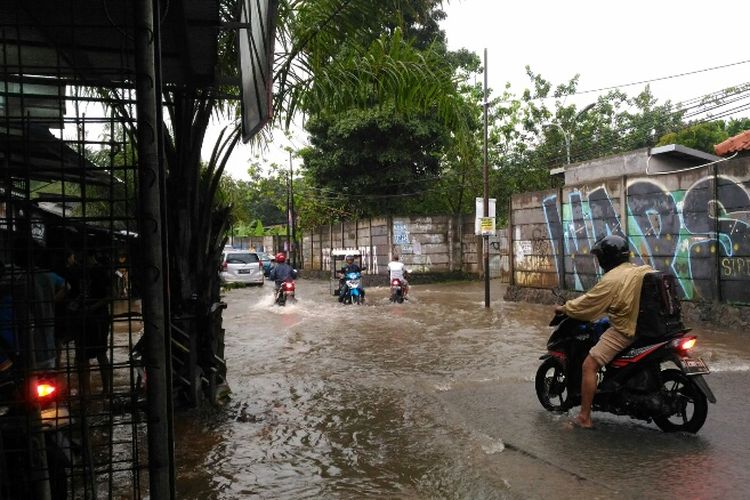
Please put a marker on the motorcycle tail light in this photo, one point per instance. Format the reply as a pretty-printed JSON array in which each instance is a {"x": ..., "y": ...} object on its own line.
[
  {"x": 395, "y": 283},
  {"x": 289, "y": 286},
  {"x": 684, "y": 343},
  {"x": 45, "y": 390},
  {"x": 687, "y": 344}
]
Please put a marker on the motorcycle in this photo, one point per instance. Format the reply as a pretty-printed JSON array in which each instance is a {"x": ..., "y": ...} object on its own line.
[
  {"x": 285, "y": 293},
  {"x": 35, "y": 451},
  {"x": 634, "y": 383},
  {"x": 397, "y": 291},
  {"x": 353, "y": 291}
]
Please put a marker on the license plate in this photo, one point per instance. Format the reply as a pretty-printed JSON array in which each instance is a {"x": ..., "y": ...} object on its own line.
[
  {"x": 244, "y": 271},
  {"x": 694, "y": 366}
]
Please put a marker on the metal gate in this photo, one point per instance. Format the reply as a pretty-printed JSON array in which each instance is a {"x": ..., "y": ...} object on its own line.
[{"x": 84, "y": 401}]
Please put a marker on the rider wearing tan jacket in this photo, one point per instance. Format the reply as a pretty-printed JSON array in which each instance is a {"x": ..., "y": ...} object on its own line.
[{"x": 617, "y": 295}]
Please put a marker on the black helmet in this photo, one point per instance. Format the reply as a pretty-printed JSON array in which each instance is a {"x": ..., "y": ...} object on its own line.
[{"x": 611, "y": 251}]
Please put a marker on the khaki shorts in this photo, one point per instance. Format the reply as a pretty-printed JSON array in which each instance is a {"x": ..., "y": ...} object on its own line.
[{"x": 609, "y": 345}]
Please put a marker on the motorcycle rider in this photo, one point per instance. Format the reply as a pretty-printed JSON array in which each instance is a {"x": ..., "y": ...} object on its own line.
[
  {"x": 617, "y": 295},
  {"x": 349, "y": 267},
  {"x": 281, "y": 271},
  {"x": 398, "y": 271}
]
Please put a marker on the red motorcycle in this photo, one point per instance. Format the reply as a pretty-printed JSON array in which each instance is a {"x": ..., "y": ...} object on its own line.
[
  {"x": 285, "y": 293},
  {"x": 397, "y": 291},
  {"x": 635, "y": 382}
]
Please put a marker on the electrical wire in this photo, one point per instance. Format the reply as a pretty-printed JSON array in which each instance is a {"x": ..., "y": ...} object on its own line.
[
  {"x": 670, "y": 172},
  {"x": 595, "y": 150},
  {"x": 650, "y": 80}
]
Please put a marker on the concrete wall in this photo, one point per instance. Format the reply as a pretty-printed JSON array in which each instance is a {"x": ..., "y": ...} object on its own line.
[
  {"x": 434, "y": 244},
  {"x": 694, "y": 224},
  {"x": 269, "y": 244}
]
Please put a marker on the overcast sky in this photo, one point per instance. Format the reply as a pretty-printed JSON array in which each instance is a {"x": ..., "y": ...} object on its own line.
[{"x": 607, "y": 43}]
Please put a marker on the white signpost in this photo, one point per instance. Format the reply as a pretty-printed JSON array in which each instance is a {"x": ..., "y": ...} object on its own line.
[{"x": 485, "y": 226}]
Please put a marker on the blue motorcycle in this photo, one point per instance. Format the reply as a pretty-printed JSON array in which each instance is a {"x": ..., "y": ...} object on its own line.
[{"x": 352, "y": 290}]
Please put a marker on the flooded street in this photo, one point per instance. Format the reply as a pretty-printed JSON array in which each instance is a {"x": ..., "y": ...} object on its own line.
[{"x": 433, "y": 398}]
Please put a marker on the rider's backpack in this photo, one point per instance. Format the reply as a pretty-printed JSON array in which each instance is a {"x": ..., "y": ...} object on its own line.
[{"x": 660, "y": 314}]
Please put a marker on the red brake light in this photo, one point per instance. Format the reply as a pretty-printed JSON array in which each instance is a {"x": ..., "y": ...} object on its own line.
[
  {"x": 687, "y": 344},
  {"x": 224, "y": 265},
  {"x": 44, "y": 389},
  {"x": 395, "y": 282},
  {"x": 260, "y": 265},
  {"x": 289, "y": 286}
]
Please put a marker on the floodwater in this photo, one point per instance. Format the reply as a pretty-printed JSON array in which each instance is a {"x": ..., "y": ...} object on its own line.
[{"x": 433, "y": 399}]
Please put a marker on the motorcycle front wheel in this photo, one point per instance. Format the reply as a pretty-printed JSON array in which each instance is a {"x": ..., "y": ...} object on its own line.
[
  {"x": 689, "y": 402},
  {"x": 551, "y": 385}
]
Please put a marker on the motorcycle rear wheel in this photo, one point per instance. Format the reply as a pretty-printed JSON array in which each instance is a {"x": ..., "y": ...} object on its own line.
[
  {"x": 679, "y": 388},
  {"x": 551, "y": 384}
]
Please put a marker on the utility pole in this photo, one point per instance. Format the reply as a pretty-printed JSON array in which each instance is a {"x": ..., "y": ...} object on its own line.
[
  {"x": 290, "y": 215},
  {"x": 486, "y": 237},
  {"x": 151, "y": 218}
]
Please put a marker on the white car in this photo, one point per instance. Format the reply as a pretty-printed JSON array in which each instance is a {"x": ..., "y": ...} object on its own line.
[{"x": 241, "y": 266}]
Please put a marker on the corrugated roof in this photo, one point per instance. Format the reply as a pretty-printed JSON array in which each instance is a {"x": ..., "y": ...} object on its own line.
[
  {"x": 93, "y": 40},
  {"x": 740, "y": 142}
]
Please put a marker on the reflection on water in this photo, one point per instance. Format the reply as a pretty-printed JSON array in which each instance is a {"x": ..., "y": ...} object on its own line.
[{"x": 345, "y": 401}]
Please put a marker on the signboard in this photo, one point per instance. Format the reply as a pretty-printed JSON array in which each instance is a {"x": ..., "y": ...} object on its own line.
[
  {"x": 480, "y": 215},
  {"x": 487, "y": 226},
  {"x": 256, "y": 38}
]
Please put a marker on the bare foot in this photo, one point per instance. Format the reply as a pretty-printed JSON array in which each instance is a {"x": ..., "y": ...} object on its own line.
[{"x": 582, "y": 422}]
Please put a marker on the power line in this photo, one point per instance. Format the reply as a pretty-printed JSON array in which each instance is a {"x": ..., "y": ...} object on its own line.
[
  {"x": 641, "y": 82},
  {"x": 661, "y": 78},
  {"x": 597, "y": 149}
]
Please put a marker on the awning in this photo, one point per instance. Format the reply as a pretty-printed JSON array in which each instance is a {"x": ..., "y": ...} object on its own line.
[
  {"x": 93, "y": 42},
  {"x": 39, "y": 155}
]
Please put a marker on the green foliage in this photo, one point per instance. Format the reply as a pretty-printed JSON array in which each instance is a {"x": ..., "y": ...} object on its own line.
[
  {"x": 705, "y": 135},
  {"x": 353, "y": 54},
  {"x": 528, "y": 132},
  {"x": 370, "y": 157},
  {"x": 263, "y": 197},
  {"x": 702, "y": 136}
]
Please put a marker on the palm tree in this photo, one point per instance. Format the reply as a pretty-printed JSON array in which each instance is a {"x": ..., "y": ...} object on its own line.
[{"x": 331, "y": 55}]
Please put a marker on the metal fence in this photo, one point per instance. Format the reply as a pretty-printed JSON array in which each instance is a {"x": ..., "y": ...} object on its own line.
[{"x": 73, "y": 387}]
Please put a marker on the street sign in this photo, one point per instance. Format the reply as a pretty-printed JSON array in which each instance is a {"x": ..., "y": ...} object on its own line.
[
  {"x": 480, "y": 215},
  {"x": 487, "y": 226}
]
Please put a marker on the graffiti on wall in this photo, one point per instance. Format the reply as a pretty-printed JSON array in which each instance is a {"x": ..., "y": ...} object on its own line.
[
  {"x": 400, "y": 233},
  {"x": 678, "y": 231}
]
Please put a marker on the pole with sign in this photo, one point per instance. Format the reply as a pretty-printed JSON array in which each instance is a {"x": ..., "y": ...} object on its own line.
[{"x": 486, "y": 201}]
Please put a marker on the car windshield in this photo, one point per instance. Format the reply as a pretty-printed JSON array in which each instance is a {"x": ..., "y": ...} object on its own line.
[{"x": 241, "y": 258}]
